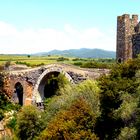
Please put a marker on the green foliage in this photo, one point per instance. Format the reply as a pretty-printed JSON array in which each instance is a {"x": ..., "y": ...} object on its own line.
[
  {"x": 1, "y": 114},
  {"x": 80, "y": 59},
  {"x": 75, "y": 123},
  {"x": 23, "y": 63},
  {"x": 87, "y": 90},
  {"x": 119, "y": 100},
  {"x": 78, "y": 63},
  {"x": 109, "y": 109},
  {"x": 29, "y": 123},
  {"x": 53, "y": 85},
  {"x": 137, "y": 114},
  {"x": 127, "y": 134},
  {"x": 28, "y": 56},
  {"x": 12, "y": 122},
  {"x": 28, "y": 64},
  {"x": 62, "y": 59},
  {"x": 73, "y": 114},
  {"x": 95, "y": 64},
  {"x": 62, "y": 82},
  {"x": 34, "y": 61}
]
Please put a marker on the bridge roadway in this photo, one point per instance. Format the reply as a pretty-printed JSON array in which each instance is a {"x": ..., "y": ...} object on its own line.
[{"x": 90, "y": 72}]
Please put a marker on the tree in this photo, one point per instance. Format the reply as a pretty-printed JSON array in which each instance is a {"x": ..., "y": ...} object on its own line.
[
  {"x": 76, "y": 123},
  {"x": 119, "y": 100},
  {"x": 28, "y": 56},
  {"x": 29, "y": 123},
  {"x": 73, "y": 114}
]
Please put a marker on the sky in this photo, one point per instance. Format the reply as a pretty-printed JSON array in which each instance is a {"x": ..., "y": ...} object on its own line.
[{"x": 31, "y": 26}]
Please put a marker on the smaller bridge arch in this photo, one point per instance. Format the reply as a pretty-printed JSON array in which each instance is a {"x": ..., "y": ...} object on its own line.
[
  {"x": 40, "y": 87},
  {"x": 19, "y": 92}
]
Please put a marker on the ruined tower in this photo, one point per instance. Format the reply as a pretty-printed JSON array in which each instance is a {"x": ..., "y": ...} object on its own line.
[{"x": 128, "y": 45}]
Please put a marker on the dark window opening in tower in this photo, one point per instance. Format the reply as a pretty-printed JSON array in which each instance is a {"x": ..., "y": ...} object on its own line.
[
  {"x": 19, "y": 92},
  {"x": 119, "y": 60}
]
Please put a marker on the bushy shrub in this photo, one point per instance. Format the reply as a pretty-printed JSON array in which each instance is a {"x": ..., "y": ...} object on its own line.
[
  {"x": 78, "y": 63},
  {"x": 69, "y": 93},
  {"x": 81, "y": 100},
  {"x": 73, "y": 124},
  {"x": 30, "y": 123},
  {"x": 23, "y": 63},
  {"x": 80, "y": 59},
  {"x": 128, "y": 133},
  {"x": 62, "y": 59},
  {"x": 12, "y": 122},
  {"x": 95, "y": 64}
]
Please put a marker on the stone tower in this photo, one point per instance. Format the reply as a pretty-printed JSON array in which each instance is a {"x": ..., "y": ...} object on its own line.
[{"x": 128, "y": 30}]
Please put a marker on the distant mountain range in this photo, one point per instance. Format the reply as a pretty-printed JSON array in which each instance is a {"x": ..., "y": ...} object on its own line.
[{"x": 82, "y": 53}]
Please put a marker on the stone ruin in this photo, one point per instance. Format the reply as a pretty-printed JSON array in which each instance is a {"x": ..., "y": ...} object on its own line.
[{"x": 128, "y": 37}]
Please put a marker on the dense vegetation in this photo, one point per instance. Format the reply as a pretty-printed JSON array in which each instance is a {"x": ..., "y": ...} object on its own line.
[
  {"x": 105, "y": 109},
  {"x": 120, "y": 102}
]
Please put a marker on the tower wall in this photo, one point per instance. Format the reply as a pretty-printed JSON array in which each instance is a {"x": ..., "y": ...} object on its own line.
[{"x": 125, "y": 31}]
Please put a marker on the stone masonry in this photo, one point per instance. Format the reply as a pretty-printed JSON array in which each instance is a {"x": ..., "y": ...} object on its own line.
[
  {"x": 33, "y": 80},
  {"x": 128, "y": 37}
]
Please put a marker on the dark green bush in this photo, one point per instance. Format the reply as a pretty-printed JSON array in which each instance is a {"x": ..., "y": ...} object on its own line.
[
  {"x": 78, "y": 63},
  {"x": 23, "y": 63},
  {"x": 95, "y": 64},
  {"x": 62, "y": 59},
  {"x": 30, "y": 123}
]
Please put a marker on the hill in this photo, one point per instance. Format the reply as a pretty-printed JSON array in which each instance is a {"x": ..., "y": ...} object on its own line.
[{"x": 82, "y": 53}]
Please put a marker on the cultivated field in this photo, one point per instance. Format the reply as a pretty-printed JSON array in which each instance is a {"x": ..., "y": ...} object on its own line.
[{"x": 34, "y": 61}]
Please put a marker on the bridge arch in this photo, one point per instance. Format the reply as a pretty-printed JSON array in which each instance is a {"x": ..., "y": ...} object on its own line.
[
  {"x": 19, "y": 92},
  {"x": 40, "y": 87}
]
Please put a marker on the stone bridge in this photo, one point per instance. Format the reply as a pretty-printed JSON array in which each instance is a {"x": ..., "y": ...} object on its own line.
[{"x": 28, "y": 86}]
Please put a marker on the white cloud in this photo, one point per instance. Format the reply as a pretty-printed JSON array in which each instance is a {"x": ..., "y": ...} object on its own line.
[
  {"x": 7, "y": 29},
  {"x": 31, "y": 41}
]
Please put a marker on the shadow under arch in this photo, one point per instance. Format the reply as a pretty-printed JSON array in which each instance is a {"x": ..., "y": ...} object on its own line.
[
  {"x": 48, "y": 85},
  {"x": 19, "y": 92},
  {"x": 44, "y": 90}
]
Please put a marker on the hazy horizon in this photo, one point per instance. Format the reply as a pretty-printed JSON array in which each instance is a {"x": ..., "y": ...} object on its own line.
[{"x": 52, "y": 50}]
